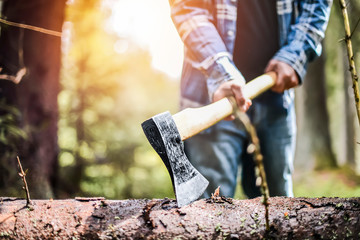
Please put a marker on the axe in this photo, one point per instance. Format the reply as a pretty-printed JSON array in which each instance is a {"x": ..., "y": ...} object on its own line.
[{"x": 166, "y": 134}]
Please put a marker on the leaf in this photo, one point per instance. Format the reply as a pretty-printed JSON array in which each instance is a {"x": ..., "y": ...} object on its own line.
[{"x": 16, "y": 132}]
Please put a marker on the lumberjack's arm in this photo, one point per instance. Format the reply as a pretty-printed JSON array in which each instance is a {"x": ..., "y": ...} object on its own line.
[
  {"x": 305, "y": 35},
  {"x": 195, "y": 24}
]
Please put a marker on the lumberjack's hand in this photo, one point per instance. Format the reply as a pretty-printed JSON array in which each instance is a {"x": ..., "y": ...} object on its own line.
[
  {"x": 286, "y": 75},
  {"x": 233, "y": 88}
]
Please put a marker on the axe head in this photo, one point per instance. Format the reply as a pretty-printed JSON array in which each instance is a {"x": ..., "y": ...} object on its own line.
[{"x": 164, "y": 137}]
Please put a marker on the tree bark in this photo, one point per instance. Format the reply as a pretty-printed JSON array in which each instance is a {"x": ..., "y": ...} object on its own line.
[
  {"x": 290, "y": 218},
  {"x": 36, "y": 95},
  {"x": 314, "y": 142}
]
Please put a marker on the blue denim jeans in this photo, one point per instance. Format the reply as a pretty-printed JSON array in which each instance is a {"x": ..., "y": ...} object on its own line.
[{"x": 220, "y": 151}]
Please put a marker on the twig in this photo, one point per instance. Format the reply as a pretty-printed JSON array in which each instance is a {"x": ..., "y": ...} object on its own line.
[
  {"x": 356, "y": 25},
  {"x": 254, "y": 148},
  {"x": 352, "y": 67},
  {"x": 15, "y": 79},
  {"x": 33, "y": 28},
  {"x": 22, "y": 174},
  {"x": 21, "y": 73}
]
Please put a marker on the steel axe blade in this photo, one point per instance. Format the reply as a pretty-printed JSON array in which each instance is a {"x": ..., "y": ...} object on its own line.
[
  {"x": 164, "y": 137},
  {"x": 165, "y": 133}
]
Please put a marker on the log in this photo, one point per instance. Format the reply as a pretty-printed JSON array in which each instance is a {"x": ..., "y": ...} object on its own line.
[{"x": 225, "y": 218}]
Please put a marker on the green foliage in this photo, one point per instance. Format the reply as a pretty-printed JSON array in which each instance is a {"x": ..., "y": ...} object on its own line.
[
  {"x": 330, "y": 183},
  {"x": 104, "y": 99},
  {"x": 335, "y": 183},
  {"x": 11, "y": 137},
  {"x": 10, "y": 132}
]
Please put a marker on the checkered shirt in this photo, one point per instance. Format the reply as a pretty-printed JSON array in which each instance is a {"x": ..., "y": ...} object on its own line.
[{"x": 207, "y": 28}]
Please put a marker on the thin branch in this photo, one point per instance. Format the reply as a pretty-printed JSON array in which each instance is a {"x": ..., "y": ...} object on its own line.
[
  {"x": 33, "y": 28},
  {"x": 356, "y": 25},
  {"x": 351, "y": 58},
  {"x": 22, "y": 174},
  {"x": 254, "y": 148},
  {"x": 15, "y": 79}
]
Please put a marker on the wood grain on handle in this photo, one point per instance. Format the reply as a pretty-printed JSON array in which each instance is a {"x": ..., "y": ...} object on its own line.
[{"x": 191, "y": 121}]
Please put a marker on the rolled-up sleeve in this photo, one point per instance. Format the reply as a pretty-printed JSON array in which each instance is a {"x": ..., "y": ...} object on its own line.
[
  {"x": 195, "y": 24},
  {"x": 194, "y": 21}
]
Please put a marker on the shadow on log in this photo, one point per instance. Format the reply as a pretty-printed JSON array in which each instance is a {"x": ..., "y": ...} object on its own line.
[{"x": 96, "y": 218}]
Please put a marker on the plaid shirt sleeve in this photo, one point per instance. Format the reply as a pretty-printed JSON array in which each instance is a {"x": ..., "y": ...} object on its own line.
[
  {"x": 304, "y": 38},
  {"x": 194, "y": 22}
]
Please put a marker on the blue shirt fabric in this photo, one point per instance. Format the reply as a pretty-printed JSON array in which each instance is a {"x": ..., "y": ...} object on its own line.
[{"x": 208, "y": 30}]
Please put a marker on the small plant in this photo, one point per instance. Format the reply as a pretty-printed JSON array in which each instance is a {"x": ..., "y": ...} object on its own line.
[
  {"x": 4, "y": 234},
  {"x": 218, "y": 228},
  {"x": 339, "y": 205},
  {"x": 22, "y": 174}
]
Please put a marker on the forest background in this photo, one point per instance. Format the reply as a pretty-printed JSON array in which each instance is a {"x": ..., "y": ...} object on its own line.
[{"x": 74, "y": 118}]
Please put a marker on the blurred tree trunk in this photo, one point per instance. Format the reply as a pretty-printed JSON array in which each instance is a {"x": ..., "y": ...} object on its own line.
[
  {"x": 350, "y": 115},
  {"x": 80, "y": 134},
  {"x": 36, "y": 95},
  {"x": 314, "y": 142}
]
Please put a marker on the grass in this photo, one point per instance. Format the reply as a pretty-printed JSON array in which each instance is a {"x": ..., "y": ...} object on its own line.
[
  {"x": 330, "y": 183},
  {"x": 326, "y": 183}
]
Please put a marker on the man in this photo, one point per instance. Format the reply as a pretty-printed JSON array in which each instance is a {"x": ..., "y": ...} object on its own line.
[{"x": 226, "y": 42}]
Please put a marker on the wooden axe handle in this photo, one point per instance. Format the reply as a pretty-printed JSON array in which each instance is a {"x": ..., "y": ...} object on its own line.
[{"x": 191, "y": 121}]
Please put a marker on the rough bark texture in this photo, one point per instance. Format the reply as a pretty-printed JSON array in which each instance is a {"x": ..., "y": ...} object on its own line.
[
  {"x": 36, "y": 95},
  {"x": 290, "y": 218}
]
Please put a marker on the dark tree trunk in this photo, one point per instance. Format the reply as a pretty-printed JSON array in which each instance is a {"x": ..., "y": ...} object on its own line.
[
  {"x": 36, "y": 95},
  {"x": 315, "y": 140},
  {"x": 290, "y": 218}
]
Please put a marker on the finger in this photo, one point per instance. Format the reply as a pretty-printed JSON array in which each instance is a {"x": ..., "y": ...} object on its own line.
[
  {"x": 278, "y": 88},
  {"x": 279, "y": 84},
  {"x": 239, "y": 97},
  {"x": 271, "y": 66},
  {"x": 247, "y": 105},
  {"x": 242, "y": 102},
  {"x": 291, "y": 80},
  {"x": 295, "y": 80},
  {"x": 222, "y": 92},
  {"x": 230, "y": 118}
]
